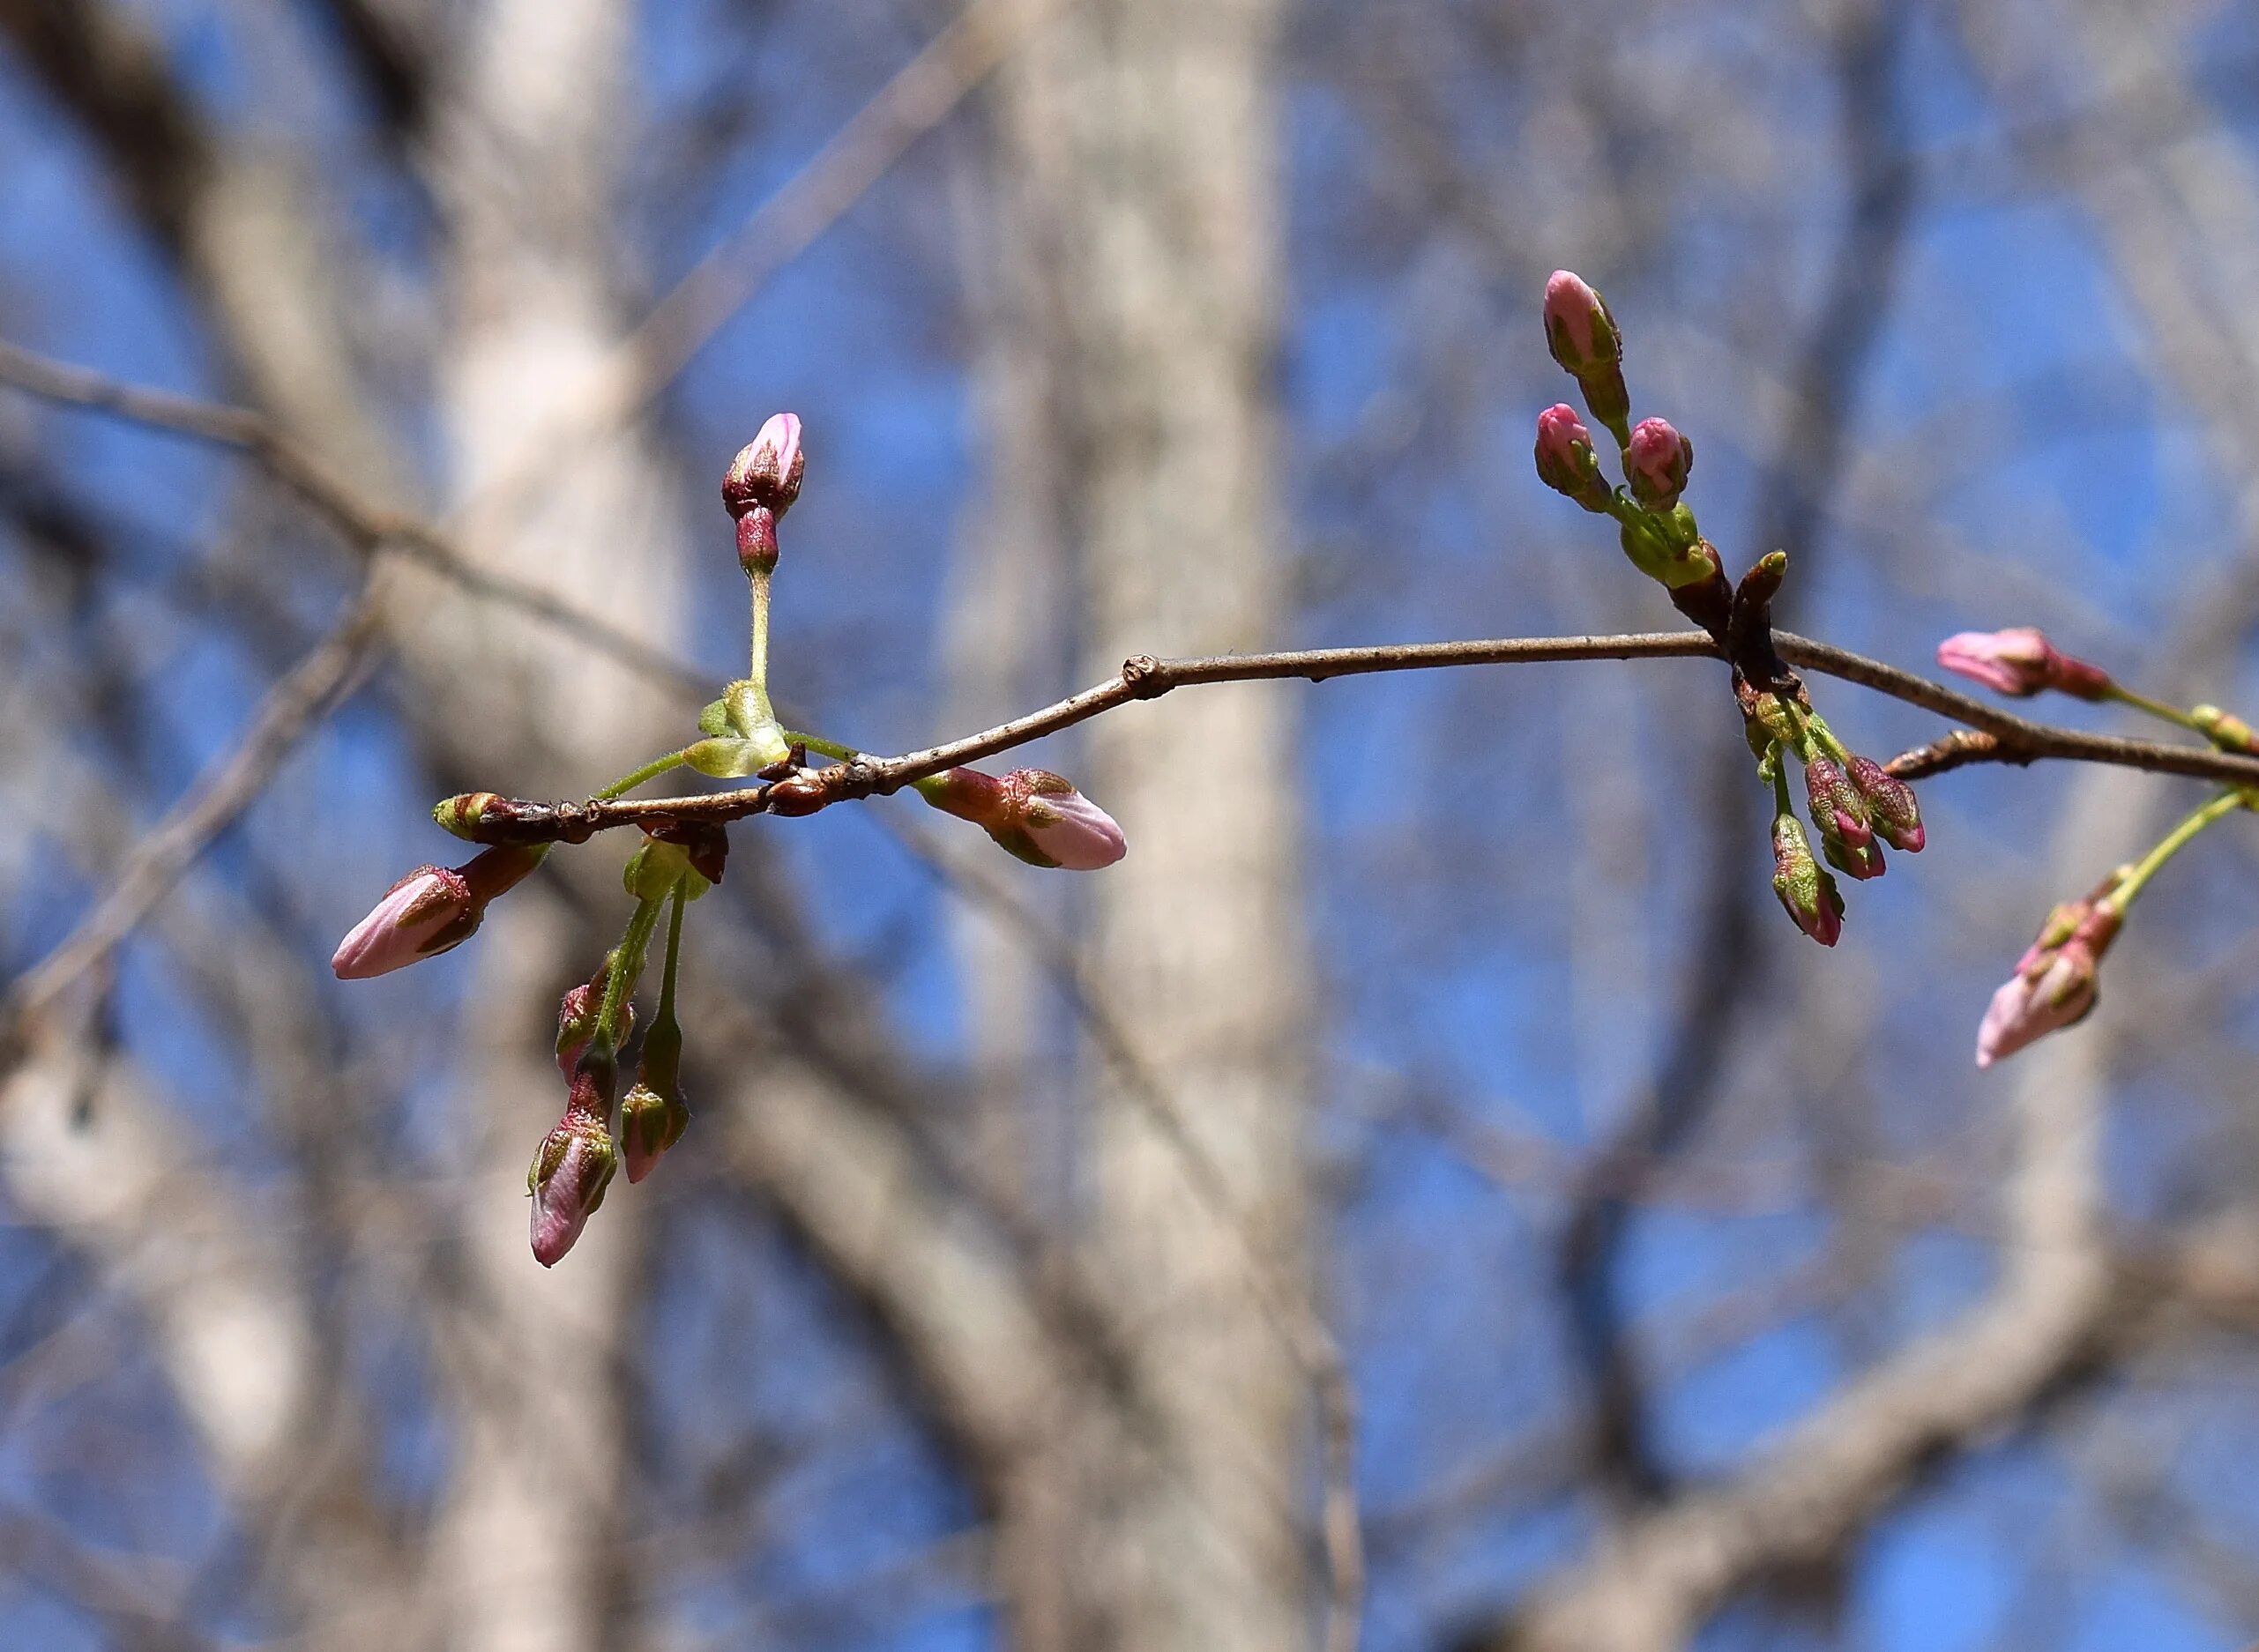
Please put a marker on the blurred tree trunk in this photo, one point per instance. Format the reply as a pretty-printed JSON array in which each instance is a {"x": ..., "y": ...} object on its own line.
[
  {"x": 1137, "y": 153},
  {"x": 531, "y": 132}
]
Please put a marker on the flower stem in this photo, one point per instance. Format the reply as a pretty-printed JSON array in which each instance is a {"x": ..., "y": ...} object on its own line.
[
  {"x": 758, "y": 673},
  {"x": 674, "y": 952},
  {"x": 627, "y": 966},
  {"x": 651, "y": 771},
  {"x": 2154, "y": 708},
  {"x": 2171, "y": 845},
  {"x": 822, "y": 747}
]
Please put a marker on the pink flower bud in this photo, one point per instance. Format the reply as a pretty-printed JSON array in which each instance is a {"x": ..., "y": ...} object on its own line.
[
  {"x": 767, "y": 470},
  {"x": 1578, "y": 329},
  {"x": 1806, "y": 893},
  {"x": 1067, "y": 828},
  {"x": 422, "y": 915},
  {"x": 1032, "y": 814},
  {"x": 2056, "y": 982},
  {"x": 2021, "y": 662},
  {"x": 1890, "y": 804},
  {"x": 571, "y": 1169},
  {"x": 1566, "y": 462},
  {"x": 1657, "y": 464},
  {"x": 650, "y": 1123},
  {"x": 429, "y": 911},
  {"x": 577, "y": 1013}
]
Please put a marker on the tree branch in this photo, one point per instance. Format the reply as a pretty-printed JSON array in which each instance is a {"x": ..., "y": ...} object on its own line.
[{"x": 2016, "y": 740}]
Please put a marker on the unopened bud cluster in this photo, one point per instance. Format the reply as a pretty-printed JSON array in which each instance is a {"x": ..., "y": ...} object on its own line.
[
  {"x": 1855, "y": 805},
  {"x": 1032, "y": 814}
]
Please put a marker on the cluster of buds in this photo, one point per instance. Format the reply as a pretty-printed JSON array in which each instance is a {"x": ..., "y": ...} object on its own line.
[
  {"x": 2057, "y": 980},
  {"x": 1658, "y": 532},
  {"x": 1856, "y": 807},
  {"x": 1032, "y": 814},
  {"x": 1856, "y": 804}
]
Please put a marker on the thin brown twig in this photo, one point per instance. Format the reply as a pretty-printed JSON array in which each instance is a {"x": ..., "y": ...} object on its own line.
[
  {"x": 296, "y": 701},
  {"x": 2016, "y": 739}
]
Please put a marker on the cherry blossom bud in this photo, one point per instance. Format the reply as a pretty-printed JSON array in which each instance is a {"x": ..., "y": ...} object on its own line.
[
  {"x": 1846, "y": 834},
  {"x": 653, "y": 1114},
  {"x": 2021, "y": 662},
  {"x": 1806, "y": 893},
  {"x": 1583, "y": 338},
  {"x": 760, "y": 485},
  {"x": 650, "y": 1123},
  {"x": 1032, "y": 814},
  {"x": 1578, "y": 329},
  {"x": 2056, "y": 982},
  {"x": 429, "y": 911},
  {"x": 577, "y": 1013},
  {"x": 766, "y": 472},
  {"x": 1655, "y": 464},
  {"x": 1066, "y": 827},
  {"x": 574, "y": 1166},
  {"x": 1890, "y": 804},
  {"x": 1566, "y": 462}
]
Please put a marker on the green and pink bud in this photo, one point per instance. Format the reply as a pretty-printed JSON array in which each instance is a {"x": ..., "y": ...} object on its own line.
[
  {"x": 2056, "y": 983},
  {"x": 1657, "y": 462},
  {"x": 430, "y": 912},
  {"x": 574, "y": 1165},
  {"x": 652, "y": 1114},
  {"x": 1566, "y": 462},
  {"x": 1847, "y": 833},
  {"x": 576, "y": 1015},
  {"x": 1890, "y": 804},
  {"x": 1583, "y": 338},
  {"x": 2021, "y": 662},
  {"x": 1806, "y": 893},
  {"x": 1032, "y": 814}
]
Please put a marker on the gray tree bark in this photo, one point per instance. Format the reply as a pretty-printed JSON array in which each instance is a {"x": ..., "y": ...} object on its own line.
[{"x": 1138, "y": 147}]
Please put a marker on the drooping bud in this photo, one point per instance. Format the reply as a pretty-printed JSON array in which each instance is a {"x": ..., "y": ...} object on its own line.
[
  {"x": 1566, "y": 462},
  {"x": 2056, "y": 982},
  {"x": 1890, "y": 804},
  {"x": 574, "y": 1165},
  {"x": 1032, "y": 814},
  {"x": 1806, "y": 893},
  {"x": 2021, "y": 662},
  {"x": 430, "y": 911},
  {"x": 650, "y": 1123},
  {"x": 1655, "y": 464},
  {"x": 1583, "y": 338},
  {"x": 577, "y": 1013},
  {"x": 1846, "y": 834}
]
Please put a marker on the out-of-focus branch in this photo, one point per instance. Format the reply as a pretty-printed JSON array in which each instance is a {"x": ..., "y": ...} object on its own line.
[
  {"x": 292, "y": 706},
  {"x": 366, "y": 526},
  {"x": 917, "y": 98}
]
